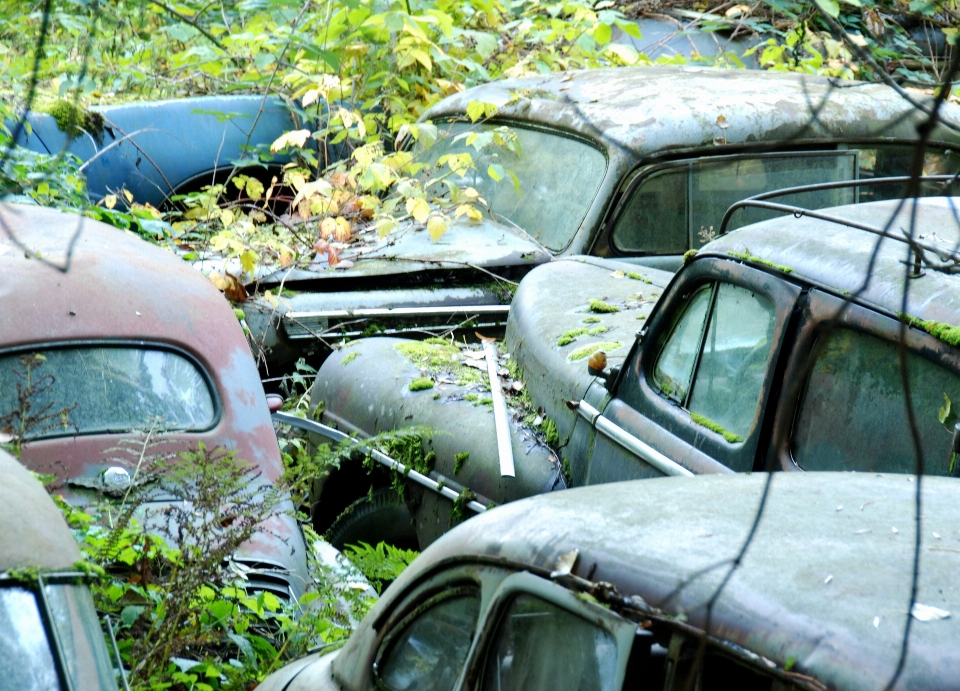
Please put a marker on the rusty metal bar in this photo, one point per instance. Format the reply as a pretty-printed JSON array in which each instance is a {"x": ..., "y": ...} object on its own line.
[
  {"x": 338, "y": 436},
  {"x": 504, "y": 447},
  {"x": 629, "y": 442}
]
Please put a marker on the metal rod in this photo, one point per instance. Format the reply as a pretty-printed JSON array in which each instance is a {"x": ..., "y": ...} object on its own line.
[
  {"x": 50, "y": 624},
  {"x": 382, "y": 458},
  {"x": 116, "y": 652},
  {"x": 504, "y": 446},
  {"x": 400, "y": 312},
  {"x": 818, "y": 187},
  {"x": 630, "y": 442}
]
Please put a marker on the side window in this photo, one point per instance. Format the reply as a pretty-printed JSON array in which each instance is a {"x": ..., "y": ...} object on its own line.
[
  {"x": 717, "y": 372},
  {"x": 431, "y": 648},
  {"x": 540, "y": 647},
  {"x": 654, "y": 220},
  {"x": 853, "y": 417}
]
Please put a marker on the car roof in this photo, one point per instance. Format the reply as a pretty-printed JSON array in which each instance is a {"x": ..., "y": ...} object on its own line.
[
  {"x": 647, "y": 110},
  {"x": 826, "y": 580},
  {"x": 838, "y": 257},
  {"x": 117, "y": 286},
  {"x": 38, "y": 534}
]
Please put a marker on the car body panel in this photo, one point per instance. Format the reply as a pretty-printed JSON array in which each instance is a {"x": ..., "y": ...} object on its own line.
[
  {"x": 807, "y": 595},
  {"x": 554, "y": 300},
  {"x": 119, "y": 290},
  {"x": 156, "y": 148}
]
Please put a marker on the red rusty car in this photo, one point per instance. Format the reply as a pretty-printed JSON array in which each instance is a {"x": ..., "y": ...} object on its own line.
[{"x": 135, "y": 341}]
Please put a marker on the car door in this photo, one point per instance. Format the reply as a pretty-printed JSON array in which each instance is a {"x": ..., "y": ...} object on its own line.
[
  {"x": 843, "y": 406},
  {"x": 693, "y": 395}
]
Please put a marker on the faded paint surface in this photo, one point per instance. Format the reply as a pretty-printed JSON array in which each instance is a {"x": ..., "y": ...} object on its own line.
[
  {"x": 36, "y": 534},
  {"x": 120, "y": 288},
  {"x": 649, "y": 537}
]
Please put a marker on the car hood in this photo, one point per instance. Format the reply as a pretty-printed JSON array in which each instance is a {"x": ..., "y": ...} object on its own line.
[{"x": 410, "y": 250}]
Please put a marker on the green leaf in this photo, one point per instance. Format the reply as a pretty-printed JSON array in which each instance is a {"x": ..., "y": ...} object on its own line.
[
  {"x": 630, "y": 29},
  {"x": 602, "y": 34},
  {"x": 944, "y": 413},
  {"x": 830, "y": 7},
  {"x": 130, "y": 614},
  {"x": 496, "y": 172}
]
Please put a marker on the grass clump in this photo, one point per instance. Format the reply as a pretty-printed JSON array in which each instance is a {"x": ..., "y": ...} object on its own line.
[
  {"x": 588, "y": 350},
  {"x": 714, "y": 427},
  {"x": 602, "y": 307},
  {"x": 746, "y": 256},
  {"x": 421, "y": 384},
  {"x": 945, "y": 332},
  {"x": 350, "y": 357},
  {"x": 638, "y": 277}
]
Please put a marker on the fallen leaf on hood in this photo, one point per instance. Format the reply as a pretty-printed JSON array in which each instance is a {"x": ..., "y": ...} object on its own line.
[{"x": 322, "y": 246}]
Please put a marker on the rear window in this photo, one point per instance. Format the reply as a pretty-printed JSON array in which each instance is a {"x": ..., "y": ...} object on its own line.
[
  {"x": 853, "y": 413},
  {"x": 102, "y": 389}
]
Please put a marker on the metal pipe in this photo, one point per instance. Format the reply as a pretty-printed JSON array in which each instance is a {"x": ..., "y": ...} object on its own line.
[
  {"x": 630, "y": 442},
  {"x": 504, "y": 447},
  {"x": 382, "y": 458}
]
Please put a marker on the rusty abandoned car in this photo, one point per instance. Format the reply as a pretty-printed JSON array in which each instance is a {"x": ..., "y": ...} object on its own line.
[
  {"x": 130, "y": 341},
  {"x": 761, "y": 353},
  {"x": 156, "y": 149},
  {"x": 50, "y": 636},
  {"x": 606, "y": 588},
  {"x": 633, "y": 163}
]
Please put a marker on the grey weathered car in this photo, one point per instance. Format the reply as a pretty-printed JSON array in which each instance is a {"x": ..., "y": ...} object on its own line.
[
  {"x": 732, "y": 364},
  {"x": 633, "y": 163},
  {"x": 50, "y": 636},
  {"x": 131, "y": 341},
  {"x": 606, "y": 588}
]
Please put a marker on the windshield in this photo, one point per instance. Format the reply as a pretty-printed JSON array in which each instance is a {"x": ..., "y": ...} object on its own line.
[
  {"x": 557, "y": 177},
  {"x": 90, "y": 389}
]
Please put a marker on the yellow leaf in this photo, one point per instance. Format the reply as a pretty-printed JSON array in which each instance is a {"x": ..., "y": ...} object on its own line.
[
  {"x": 226, "y": 217},
  {"x": 471, "y": 193},
  {"x": 385, "y": 226},
  {"x": 129, "y": 195},
  {"x": 421, "y": 57},
  {"x": 110, "y": 201},
  {"x": 342, "y": 231},
  {"x": 248, "y": 260},
  {"x": 327, "y": 227},
  {"x": 254, "y": 189},
  {"x": 296, "y": 138},
  {"x": 470, "y": 210},
  {"x": 437, "y": 225},
  {"x": 419, "y": 209}
]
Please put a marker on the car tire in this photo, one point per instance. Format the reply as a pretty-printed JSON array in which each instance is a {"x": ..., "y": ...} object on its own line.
[{"x": 379, "y": 517}]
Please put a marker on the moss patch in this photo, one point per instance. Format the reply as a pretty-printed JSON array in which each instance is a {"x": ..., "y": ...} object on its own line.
[
  {"x": 571, "y": 336},
  {"x": 688, "y": 257},
  {"x": 350, "y": 357},
  {"x": 421, "y": 383},
  {"x": 591, "y": 320},
  {"x": 638, "y": 277},
  {"x": 550, "y": 433},
  {"x": 73, "y": 120},
  {"x": 746, "y": 256},
  {"x": 436, "y": 355},
  {"x": 602, "y": 307},
  {"x": 459, "y": 460},
  {"x": 714, "y": 427},
  {"x": 588, "y": 350},
  {"x": 945, "y": 332}
]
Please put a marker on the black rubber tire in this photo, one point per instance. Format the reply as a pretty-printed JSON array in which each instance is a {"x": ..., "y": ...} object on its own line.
[{"x": 380, "y": 517}]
